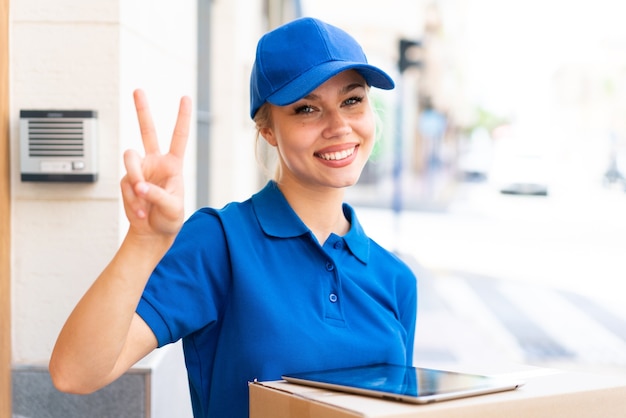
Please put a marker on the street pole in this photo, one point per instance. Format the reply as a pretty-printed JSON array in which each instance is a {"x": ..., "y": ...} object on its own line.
[
  {"x": 409, "y": 53},
  {"x": 398, "y": 163}
]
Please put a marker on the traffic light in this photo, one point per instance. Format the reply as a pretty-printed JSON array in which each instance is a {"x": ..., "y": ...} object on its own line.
[{"x": 410, "y": 51}]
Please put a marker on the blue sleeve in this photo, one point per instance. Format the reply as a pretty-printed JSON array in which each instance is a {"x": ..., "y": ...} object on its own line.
[
  {"x": 406, "y": 290},
  {"x": 187, "y": 289},
  {"x": 408, "y": 316}
]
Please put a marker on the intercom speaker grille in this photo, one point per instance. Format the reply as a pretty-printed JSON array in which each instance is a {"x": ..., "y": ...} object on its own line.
[
  {"x": 58, "y": 145},
  {"x": 60, "y": 138}
]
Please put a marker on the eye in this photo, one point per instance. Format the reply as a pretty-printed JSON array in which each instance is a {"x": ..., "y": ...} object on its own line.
[
  {"x": 304, "y": 109},
  {"x": 353, "y": 101}
]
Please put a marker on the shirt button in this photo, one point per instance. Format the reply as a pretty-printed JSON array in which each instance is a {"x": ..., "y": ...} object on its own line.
[
  {"x": 338, "y": 245},
  {"x": 330, "y": 266},
  {"x": 332, "y": 297}
]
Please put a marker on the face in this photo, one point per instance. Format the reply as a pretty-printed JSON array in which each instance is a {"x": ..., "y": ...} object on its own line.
[{"x": 324, "y": 139}]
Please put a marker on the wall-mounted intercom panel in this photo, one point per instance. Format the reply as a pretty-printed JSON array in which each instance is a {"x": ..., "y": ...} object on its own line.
[{"x": 58, "y": 145}]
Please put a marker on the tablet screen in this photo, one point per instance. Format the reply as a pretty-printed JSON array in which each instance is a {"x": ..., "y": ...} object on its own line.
[{"x": 403, "y": 383}]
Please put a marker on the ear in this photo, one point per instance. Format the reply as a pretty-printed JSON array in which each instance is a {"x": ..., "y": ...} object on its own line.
[{"x": 268, "y": 134}]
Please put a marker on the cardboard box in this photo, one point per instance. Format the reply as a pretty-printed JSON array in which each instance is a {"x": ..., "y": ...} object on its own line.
[{"x": 547, "y": 394}]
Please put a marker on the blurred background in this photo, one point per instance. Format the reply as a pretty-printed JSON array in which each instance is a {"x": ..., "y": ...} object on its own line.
[{"x": 501, "y": 172}]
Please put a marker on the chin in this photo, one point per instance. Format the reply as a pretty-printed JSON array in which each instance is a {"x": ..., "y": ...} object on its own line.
[
  {"x": 340, "y": 184},
  {"x": 343, "y": 179}
]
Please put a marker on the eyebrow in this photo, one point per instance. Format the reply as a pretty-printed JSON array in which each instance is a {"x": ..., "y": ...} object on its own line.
[{"x": 344, "y": 90}]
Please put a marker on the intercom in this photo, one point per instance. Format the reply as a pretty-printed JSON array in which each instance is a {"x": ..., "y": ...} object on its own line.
[{"x": 58, "y": 145}]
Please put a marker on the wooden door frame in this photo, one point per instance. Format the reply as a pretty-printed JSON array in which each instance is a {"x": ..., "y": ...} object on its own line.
[{"x": 5, "y": 218}]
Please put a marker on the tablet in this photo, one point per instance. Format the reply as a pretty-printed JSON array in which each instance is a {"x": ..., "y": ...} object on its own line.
[{"x": 402, "y": 383}]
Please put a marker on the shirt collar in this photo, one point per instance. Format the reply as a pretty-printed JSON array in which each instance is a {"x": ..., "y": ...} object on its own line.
[
  {"x": 278, "y": 219},
  {"x": 357, "y": 241}
]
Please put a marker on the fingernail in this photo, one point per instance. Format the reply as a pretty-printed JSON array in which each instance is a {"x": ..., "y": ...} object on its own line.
[{"x": 142, "y": 188}]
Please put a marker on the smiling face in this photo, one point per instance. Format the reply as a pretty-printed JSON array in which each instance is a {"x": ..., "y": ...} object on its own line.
[{"x": 324, "y": 139}]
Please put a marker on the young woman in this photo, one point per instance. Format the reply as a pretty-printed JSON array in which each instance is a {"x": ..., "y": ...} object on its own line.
[{"x": 285, "y": 281}]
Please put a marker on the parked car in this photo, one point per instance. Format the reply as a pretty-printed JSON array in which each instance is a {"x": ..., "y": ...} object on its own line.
[{"x": 521, "y": 167}]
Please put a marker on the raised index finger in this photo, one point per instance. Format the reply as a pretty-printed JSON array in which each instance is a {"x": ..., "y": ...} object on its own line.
[
  {"x": 146, "y": 125},
  {"x": 181, "y": 130}
]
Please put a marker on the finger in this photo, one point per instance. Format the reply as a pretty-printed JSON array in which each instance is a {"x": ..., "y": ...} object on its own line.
[
  {"x": 170, "y": 206},
  {"x": 132, "y": 203},
  {"x": 181, "y": 130},
  {"x": 132, "y": 162},
  {"x": 146, "y": 125}
]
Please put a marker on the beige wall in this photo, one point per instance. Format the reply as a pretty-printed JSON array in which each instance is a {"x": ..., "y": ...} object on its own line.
[
  {"x": 85, "y": 55},
  {"x": 92, "y": 55}
]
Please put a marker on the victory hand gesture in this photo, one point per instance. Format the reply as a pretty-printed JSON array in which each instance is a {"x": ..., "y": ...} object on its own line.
[{"x": 152, "y": 188}]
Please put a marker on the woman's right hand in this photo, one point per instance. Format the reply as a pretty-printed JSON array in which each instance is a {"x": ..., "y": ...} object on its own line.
[
  {"x": 153, "y": 189},
  {"x": 104, "y": 336}
]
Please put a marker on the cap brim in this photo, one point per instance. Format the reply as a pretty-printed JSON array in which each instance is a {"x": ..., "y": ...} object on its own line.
[{"x": 310, "y": 80}]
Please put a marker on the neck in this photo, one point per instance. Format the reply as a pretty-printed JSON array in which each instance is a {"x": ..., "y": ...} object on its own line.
[{"x": 320, "y": 209}]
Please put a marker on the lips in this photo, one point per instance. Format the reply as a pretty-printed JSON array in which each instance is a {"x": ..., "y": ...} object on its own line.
[{"x": 336, "y": 155}]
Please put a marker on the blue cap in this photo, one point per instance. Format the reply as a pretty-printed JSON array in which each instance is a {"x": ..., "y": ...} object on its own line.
[{"x": 295, "y": 58}]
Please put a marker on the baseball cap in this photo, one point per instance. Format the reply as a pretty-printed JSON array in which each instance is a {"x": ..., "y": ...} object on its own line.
[{"x": 295, "y": 58}]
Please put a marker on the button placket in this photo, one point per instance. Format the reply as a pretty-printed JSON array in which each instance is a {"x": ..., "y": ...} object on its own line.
[
  {"x": 333, "y": 305},
  {"x": 330, "y": 266}
]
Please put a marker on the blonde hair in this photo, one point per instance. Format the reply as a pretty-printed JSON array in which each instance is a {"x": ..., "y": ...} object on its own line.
[{"x": 265, "y": 155}]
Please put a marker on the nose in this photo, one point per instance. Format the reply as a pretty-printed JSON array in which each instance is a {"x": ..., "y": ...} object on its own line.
[{"x": 337, "y": 125}]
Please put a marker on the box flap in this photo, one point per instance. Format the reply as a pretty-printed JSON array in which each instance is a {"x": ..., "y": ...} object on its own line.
[{"x": 273, "y": 400}]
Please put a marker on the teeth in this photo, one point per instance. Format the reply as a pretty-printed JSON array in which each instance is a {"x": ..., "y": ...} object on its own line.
[{"x": 339, "y": 155}]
